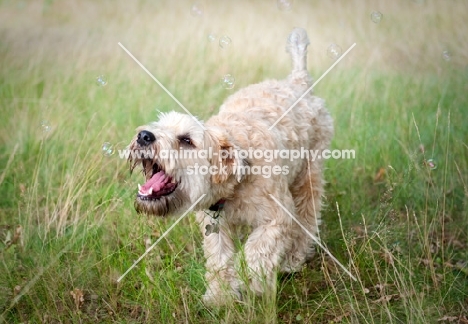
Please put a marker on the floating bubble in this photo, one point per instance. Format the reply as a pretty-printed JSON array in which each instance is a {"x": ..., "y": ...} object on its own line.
[
  {"x": 228, "y": 81},
  {"x": 334, "y": 51},
  {"x": 107, "y": 149},
  {"x": 211, "y": 37},
  {"x": 284, "y": 5},
  {"x": 45, "y": 125},
  {"x": 196, "y": 10},
  {"x": 101, "y": 80},
  {"x": 376, "y": 16},
  {"x": 431, "y": 164},
  {"x": 446, "y": 55},
  {"x": 224, "y": 42}
]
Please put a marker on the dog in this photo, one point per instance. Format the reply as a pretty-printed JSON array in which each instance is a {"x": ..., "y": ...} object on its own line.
[{"x": 272, "y": 116}]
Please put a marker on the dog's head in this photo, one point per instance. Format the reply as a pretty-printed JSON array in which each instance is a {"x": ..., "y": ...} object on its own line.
[{"x": 182, "y": 160}]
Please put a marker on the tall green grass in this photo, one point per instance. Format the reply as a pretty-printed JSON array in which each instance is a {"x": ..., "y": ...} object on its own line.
[{"x": 67, "y": 222}]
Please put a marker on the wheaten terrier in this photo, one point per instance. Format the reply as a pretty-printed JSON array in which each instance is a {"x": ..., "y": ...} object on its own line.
[{"x": 217, "y": 168}]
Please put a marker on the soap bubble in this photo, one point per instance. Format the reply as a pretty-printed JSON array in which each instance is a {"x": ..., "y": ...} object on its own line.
[
  {"x": 376, "y": 16},
  {"x": 101, "y": 80},
  {"x": 196, "y": 10},
  {"x": 107, "y": 149},
  {"x": 224, "y": 42},
  {"x": 431, "y": 164},
  {"x": 446, "y": 55},
  {"x": 228, "y": 81},
  {"x": 284, "y": 5},
  {"x": 334, "y": 51},
  {"x": 211, "y": 37},
  {"x": 45, "y": 125}
]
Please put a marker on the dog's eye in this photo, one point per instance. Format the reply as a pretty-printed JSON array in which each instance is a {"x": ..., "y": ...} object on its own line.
[{"x": 186, "y": 140}]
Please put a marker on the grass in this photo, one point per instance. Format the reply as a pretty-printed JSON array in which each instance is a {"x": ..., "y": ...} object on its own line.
[{"x": 67, "y": 224}]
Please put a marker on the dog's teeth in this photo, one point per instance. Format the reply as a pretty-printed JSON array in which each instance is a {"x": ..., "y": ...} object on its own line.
[
  {"x": 141, "y": 192},
  {"x": 150, "y": 191}
]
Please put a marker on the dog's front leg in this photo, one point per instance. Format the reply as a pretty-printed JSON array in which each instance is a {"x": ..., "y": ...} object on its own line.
[
  {"x": 219, "y": 250},
  {"x": 264, "y": 252},
  {"x": 266, "y": 246}
]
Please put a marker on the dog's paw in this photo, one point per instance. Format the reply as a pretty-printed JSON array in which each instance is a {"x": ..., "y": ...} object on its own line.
[
  {"x": 212, "y": 300},
  {"x": 220, "y": 298},
  {"x": 292, "y": 267}
]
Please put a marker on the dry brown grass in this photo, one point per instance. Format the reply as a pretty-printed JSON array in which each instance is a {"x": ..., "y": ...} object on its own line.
[
  {"x": 403, "y": 235},
  {"x": 76, "y": 35}
]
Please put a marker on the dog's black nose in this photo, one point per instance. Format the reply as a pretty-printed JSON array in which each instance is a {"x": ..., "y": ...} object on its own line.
[{"x": 145, "y": 138}]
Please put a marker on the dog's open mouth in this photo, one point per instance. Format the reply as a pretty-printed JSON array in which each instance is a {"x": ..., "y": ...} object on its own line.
[{"x": 158, "y": 183}]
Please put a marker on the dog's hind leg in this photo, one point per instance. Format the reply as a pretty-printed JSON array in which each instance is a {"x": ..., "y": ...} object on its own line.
[{"x": 307, "y": 193}]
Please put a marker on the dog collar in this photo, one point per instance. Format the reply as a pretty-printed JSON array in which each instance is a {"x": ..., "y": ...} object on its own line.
[{"x": 218, "y": 206}]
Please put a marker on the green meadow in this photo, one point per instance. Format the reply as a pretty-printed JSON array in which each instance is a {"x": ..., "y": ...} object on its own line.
[{"x": 396, "y": 215}]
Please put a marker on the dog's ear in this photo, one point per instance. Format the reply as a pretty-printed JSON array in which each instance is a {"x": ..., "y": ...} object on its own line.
[{"x": 225, "y": 156}]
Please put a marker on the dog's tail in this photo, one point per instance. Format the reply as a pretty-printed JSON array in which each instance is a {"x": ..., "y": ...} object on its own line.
[{"x": 297, "y": 47}]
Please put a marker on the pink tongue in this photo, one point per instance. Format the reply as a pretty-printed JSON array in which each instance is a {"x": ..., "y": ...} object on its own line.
[{"x": 157, "y": 182}]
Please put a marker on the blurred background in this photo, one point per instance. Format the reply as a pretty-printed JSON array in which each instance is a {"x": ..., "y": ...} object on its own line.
[
  {"x": 52, "y": 47},
  {"x": 71, "y": 97},
  {"x": 57, "y": 44}
]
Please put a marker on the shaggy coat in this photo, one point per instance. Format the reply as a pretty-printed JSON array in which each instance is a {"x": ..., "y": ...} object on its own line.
[{"x": 269, "y": 116}]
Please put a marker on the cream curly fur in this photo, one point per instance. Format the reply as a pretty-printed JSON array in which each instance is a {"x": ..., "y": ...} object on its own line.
[{"x": 275, "y": 242}]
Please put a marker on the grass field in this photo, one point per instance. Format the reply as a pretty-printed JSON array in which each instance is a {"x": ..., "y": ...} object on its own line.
[{"x": 396, "y": 215}]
